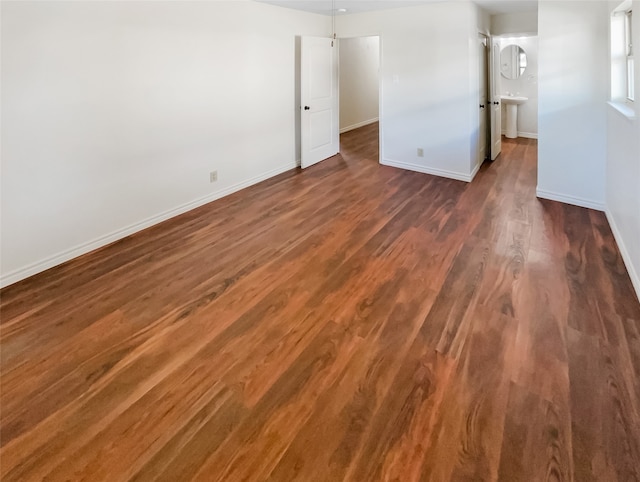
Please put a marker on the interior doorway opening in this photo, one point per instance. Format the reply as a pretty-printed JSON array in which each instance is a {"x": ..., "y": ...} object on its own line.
[
  {"x": 338, "y": 93},
  {"x": 485, "y": 102},
  {"x": 516, "y": 65},
  {"x": 359, "y": 81}
]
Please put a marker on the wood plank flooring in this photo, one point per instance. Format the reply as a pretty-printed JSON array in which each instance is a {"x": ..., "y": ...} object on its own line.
[{"x": 350, "y": 322}]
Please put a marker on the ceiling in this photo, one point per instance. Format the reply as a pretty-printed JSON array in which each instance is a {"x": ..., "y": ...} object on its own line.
[{"x": 358, "y": 6}]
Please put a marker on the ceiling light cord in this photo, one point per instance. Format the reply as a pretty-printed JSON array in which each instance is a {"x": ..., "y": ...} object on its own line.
[{"x": 333, "y": 21}]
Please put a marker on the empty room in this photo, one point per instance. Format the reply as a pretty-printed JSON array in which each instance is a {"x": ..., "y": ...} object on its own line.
[{"x": 320, "y": 240}]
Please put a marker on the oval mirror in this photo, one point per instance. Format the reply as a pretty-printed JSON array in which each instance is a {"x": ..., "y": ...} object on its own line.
[{"x": 513, "y": 61}]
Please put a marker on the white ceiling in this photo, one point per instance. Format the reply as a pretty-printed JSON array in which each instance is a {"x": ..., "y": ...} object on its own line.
[{"x": 357, "y": 6}]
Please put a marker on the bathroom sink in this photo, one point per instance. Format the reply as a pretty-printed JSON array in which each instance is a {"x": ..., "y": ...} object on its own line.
[
  {"x": 511, "y": 105},
  {"x": 513, "y": 99}
]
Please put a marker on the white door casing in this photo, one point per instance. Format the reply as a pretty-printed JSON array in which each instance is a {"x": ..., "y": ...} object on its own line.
[
  {"x": 320, "y": 130},
  {"x": 496, "y": 108},
  {"x": 483, "y": 99}
]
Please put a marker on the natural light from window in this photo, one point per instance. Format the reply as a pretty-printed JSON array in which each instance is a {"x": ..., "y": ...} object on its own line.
[
  {"x": 629, "y": 51},
  {"x": 622, "y": 61}
]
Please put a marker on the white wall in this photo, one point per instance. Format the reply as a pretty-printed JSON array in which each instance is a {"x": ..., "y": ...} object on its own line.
[
  {"x": 425, "y": 76},
  {"x": 526, "y": 85},
  {"x": 114, "y": 113},
  {"x": 623, "y": 173},
  {"x": 515, "y": 23},
  {"x": 359, "y": 69},
  {"x": 573, "y": 90}
]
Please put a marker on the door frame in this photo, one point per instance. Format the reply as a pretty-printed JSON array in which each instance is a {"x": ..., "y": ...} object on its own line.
[
  {"x": 496, "y": 101},
  {"x": 380, "y": 88},
  {"x": 487, "y": 109}
]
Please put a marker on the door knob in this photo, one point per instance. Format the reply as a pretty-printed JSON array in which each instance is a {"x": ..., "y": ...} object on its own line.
[
  {"x": 482, "y": 106},
  {"x": 306, "y": 107},
  {"x": 496, "y": 103}
]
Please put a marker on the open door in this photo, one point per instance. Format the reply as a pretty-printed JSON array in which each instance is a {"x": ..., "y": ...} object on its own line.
[
  {"x": 496, "y": 112},
  {"x": 320, "y": 136}
]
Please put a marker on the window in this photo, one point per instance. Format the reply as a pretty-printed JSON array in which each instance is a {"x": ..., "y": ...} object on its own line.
[
  {"x": 622, "y": 56},
  {"x": 629, "y": 51}
]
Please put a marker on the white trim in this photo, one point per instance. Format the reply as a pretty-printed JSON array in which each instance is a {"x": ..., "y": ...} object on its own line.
[
  {"x": 458, "y": 176},
  {"x": 359, "y": 124},
  {"x": 475, "y": 171},
  {"x": 624, "y": 109},
  {"x": 575, "y": 201},
  {"x": 622, "y": 8},
  {"x": 84, "y": 248},
  {"x": 526, "y": 135},
  {"x": 626, "y": 257},
  {"x": 519, "y": 34}
]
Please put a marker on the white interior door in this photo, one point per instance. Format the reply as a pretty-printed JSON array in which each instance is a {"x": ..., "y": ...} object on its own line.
[
  {"x": 483, "y": 97},
  {"x": 320, "y": 136},
  {"x": 496, "y": 112}
]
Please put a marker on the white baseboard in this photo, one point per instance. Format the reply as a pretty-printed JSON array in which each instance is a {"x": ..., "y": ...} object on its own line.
[
  {"x": 626, "y": 257},
  {"x": 575, "y": 201},
  {"x": 359, "y": 124},
  {"x": 84, "y": 248},
  {"x": 475, "y": 171},
  {"x": 428, "y": 170},
  {"x": 527, "y": 135}
]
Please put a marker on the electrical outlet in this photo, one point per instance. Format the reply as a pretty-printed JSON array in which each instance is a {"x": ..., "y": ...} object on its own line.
[
  {"x": 213, "y": 176},
  {"x": 420, "y": 152}
]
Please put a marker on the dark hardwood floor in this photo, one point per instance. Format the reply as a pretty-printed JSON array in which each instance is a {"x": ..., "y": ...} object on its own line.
[{"x": 349, "y": 322}]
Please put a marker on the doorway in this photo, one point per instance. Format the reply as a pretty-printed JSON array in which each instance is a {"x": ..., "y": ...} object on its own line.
[
  {"x": 359, "y": 74},
  {"x": 516, "y": 64},
  {"x": 338, "y": 95},
  {"x": 484, "y": 104}
]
